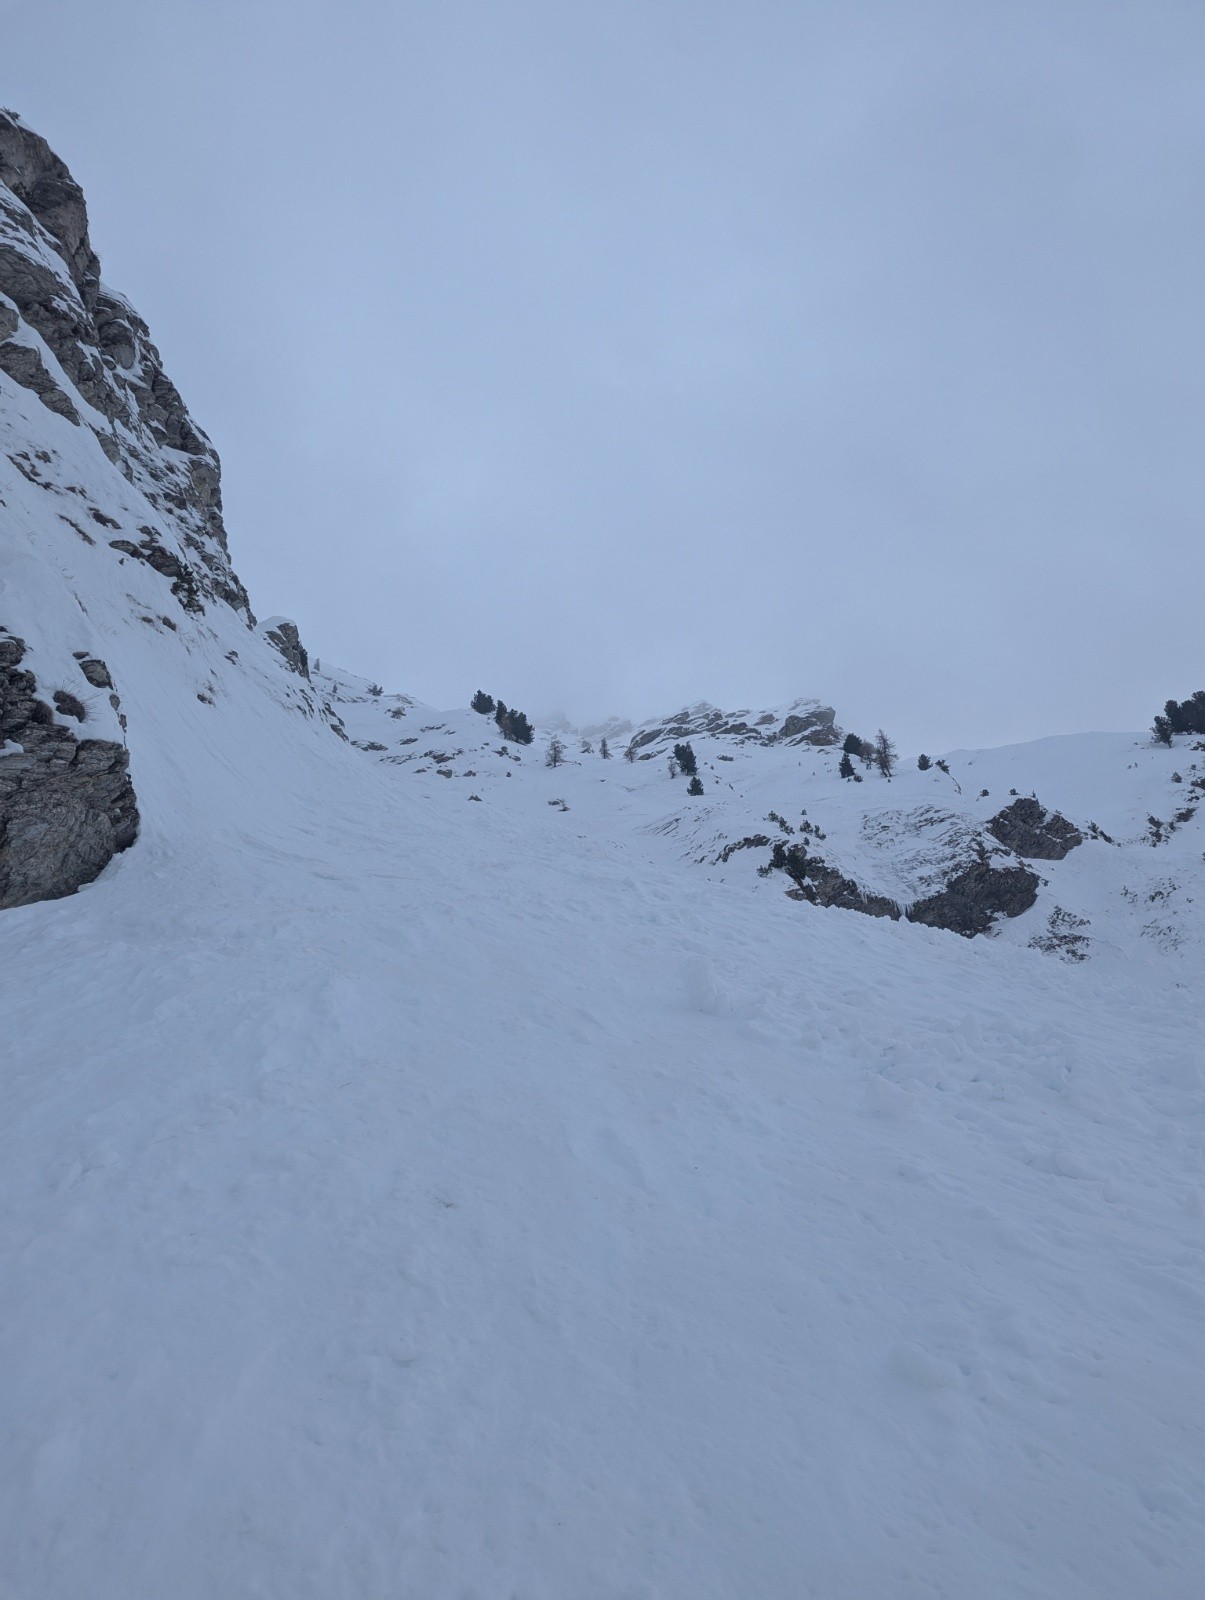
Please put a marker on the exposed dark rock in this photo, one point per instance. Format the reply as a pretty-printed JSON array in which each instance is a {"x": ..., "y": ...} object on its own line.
[
  {"x": 50, "y": 273},
  {"x": 807, "y": 722},
  {"x": 30, "y": 168},
  {"x": 96, "y": 672},
  {"x": 976, "y": 896},
  {"x": 26, "y": 367},
  {"x": 67, "y": 805},
  {"x": 754, "y": 841},
  {"x": 811, "y": 727},
  {"x": 287, "y": 640},
  {"x": 1029, "y": 830},
  {"x": 823, "y": 885},
  {"x": 162, "y": 560}
]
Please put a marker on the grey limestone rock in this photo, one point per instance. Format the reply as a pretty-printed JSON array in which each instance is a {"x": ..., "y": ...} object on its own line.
[
  {"x": 1028, "y": 829},
  {"x": 67, "y": 805},
  {"x": 823, "y": 885},
  {"x": 284, "y": 635},
  {"x": 973, "y": 899},
  {"x": 817, "y": 726},
  {"x": 23, "y": 364},
  {"x": 50, "y": 281}
]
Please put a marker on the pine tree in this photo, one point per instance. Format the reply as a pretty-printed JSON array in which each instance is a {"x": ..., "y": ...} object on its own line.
[
  {"x": 482, "y": 702},
  {"x": 604, "y": 750},
  {"x": 1187, "y": 716},
  {"x": 630, "y": 753},
  {"x": 884, "y": 754},
  {"x": 846, "y": 768},
  {"x": 852, "y": 745},
  {"x": 695, "y": 786},
  {"x": 1163, "y": 730},
  {"x": 923, "y": 763},
  {"x": 513, "y": 724},
  {"x": 685, "y": 757}
]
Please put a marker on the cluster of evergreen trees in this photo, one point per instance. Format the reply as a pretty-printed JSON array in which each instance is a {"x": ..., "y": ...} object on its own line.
[
  {"x": 685, "y": 760},
  {"x": 1181, "y": 716},
  {"x": 877, "y": 752},
  {"x": 512, "y": 724}
]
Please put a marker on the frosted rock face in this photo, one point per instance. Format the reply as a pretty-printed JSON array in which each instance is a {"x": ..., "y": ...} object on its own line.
[
  {"x": 67, "y": 805},
  {"x": 973, "y": 900},
  {"x": 283, "y": 635},
  {"x": 88, "y": 357},
  {"x": 1028, "y": 829}
]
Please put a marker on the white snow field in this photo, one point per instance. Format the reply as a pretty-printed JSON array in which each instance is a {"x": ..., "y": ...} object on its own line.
[
  {"x": 413, "y": 1198},
  {"x": 410, "y": 1197},
  {"x": 409, "y": 1200}
]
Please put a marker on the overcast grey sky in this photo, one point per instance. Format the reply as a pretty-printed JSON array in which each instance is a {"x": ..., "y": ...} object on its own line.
[{"x": 617, "y": 355}]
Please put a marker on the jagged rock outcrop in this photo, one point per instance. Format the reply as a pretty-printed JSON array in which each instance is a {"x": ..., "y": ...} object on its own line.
[
  {"x": 283, "y": 635},
  {"x": 67, "y": 805},
  {"x": 1028, "y": 829},
  {"x": 976, "y": 896},
  {"x": 88, "y": 357},
  {"x": 823, "y": 885},
  {"x": 817, "y": 725},
  {"x": 803, "y": 722}
]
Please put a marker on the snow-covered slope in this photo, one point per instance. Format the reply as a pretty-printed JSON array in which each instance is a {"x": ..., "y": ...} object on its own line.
[
  {"x": 430, "y": 1173},
  {"x": 1127, "y": 883}
]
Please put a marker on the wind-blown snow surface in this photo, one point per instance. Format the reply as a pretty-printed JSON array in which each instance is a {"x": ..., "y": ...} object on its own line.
[{"x": 407, "y": 1197}]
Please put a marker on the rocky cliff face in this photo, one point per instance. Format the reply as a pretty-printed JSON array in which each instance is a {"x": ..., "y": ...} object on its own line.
[
  {"x": 67, "y": 805},
  {"x": 88, "y": 357},
  {"x": 78, "y": 371},
  {"x": 802, "y": 722}
]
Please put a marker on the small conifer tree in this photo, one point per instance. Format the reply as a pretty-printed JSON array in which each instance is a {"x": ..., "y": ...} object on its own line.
[
  {"x": 695, "y": 786},
  {"x": 884, "y": 754},
  {"x": 923, "y": 763},
  {"x": 685, "y": 757},
  {"x": 482, "y": 702},
  {"x": 604, "y": 750}
]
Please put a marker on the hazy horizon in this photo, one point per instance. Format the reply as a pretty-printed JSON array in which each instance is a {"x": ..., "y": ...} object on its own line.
[{"x": 616, "y": 358}]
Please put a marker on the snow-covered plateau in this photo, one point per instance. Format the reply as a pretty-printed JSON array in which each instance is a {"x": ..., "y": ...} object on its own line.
[{"x": 432, "y": 1174}]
